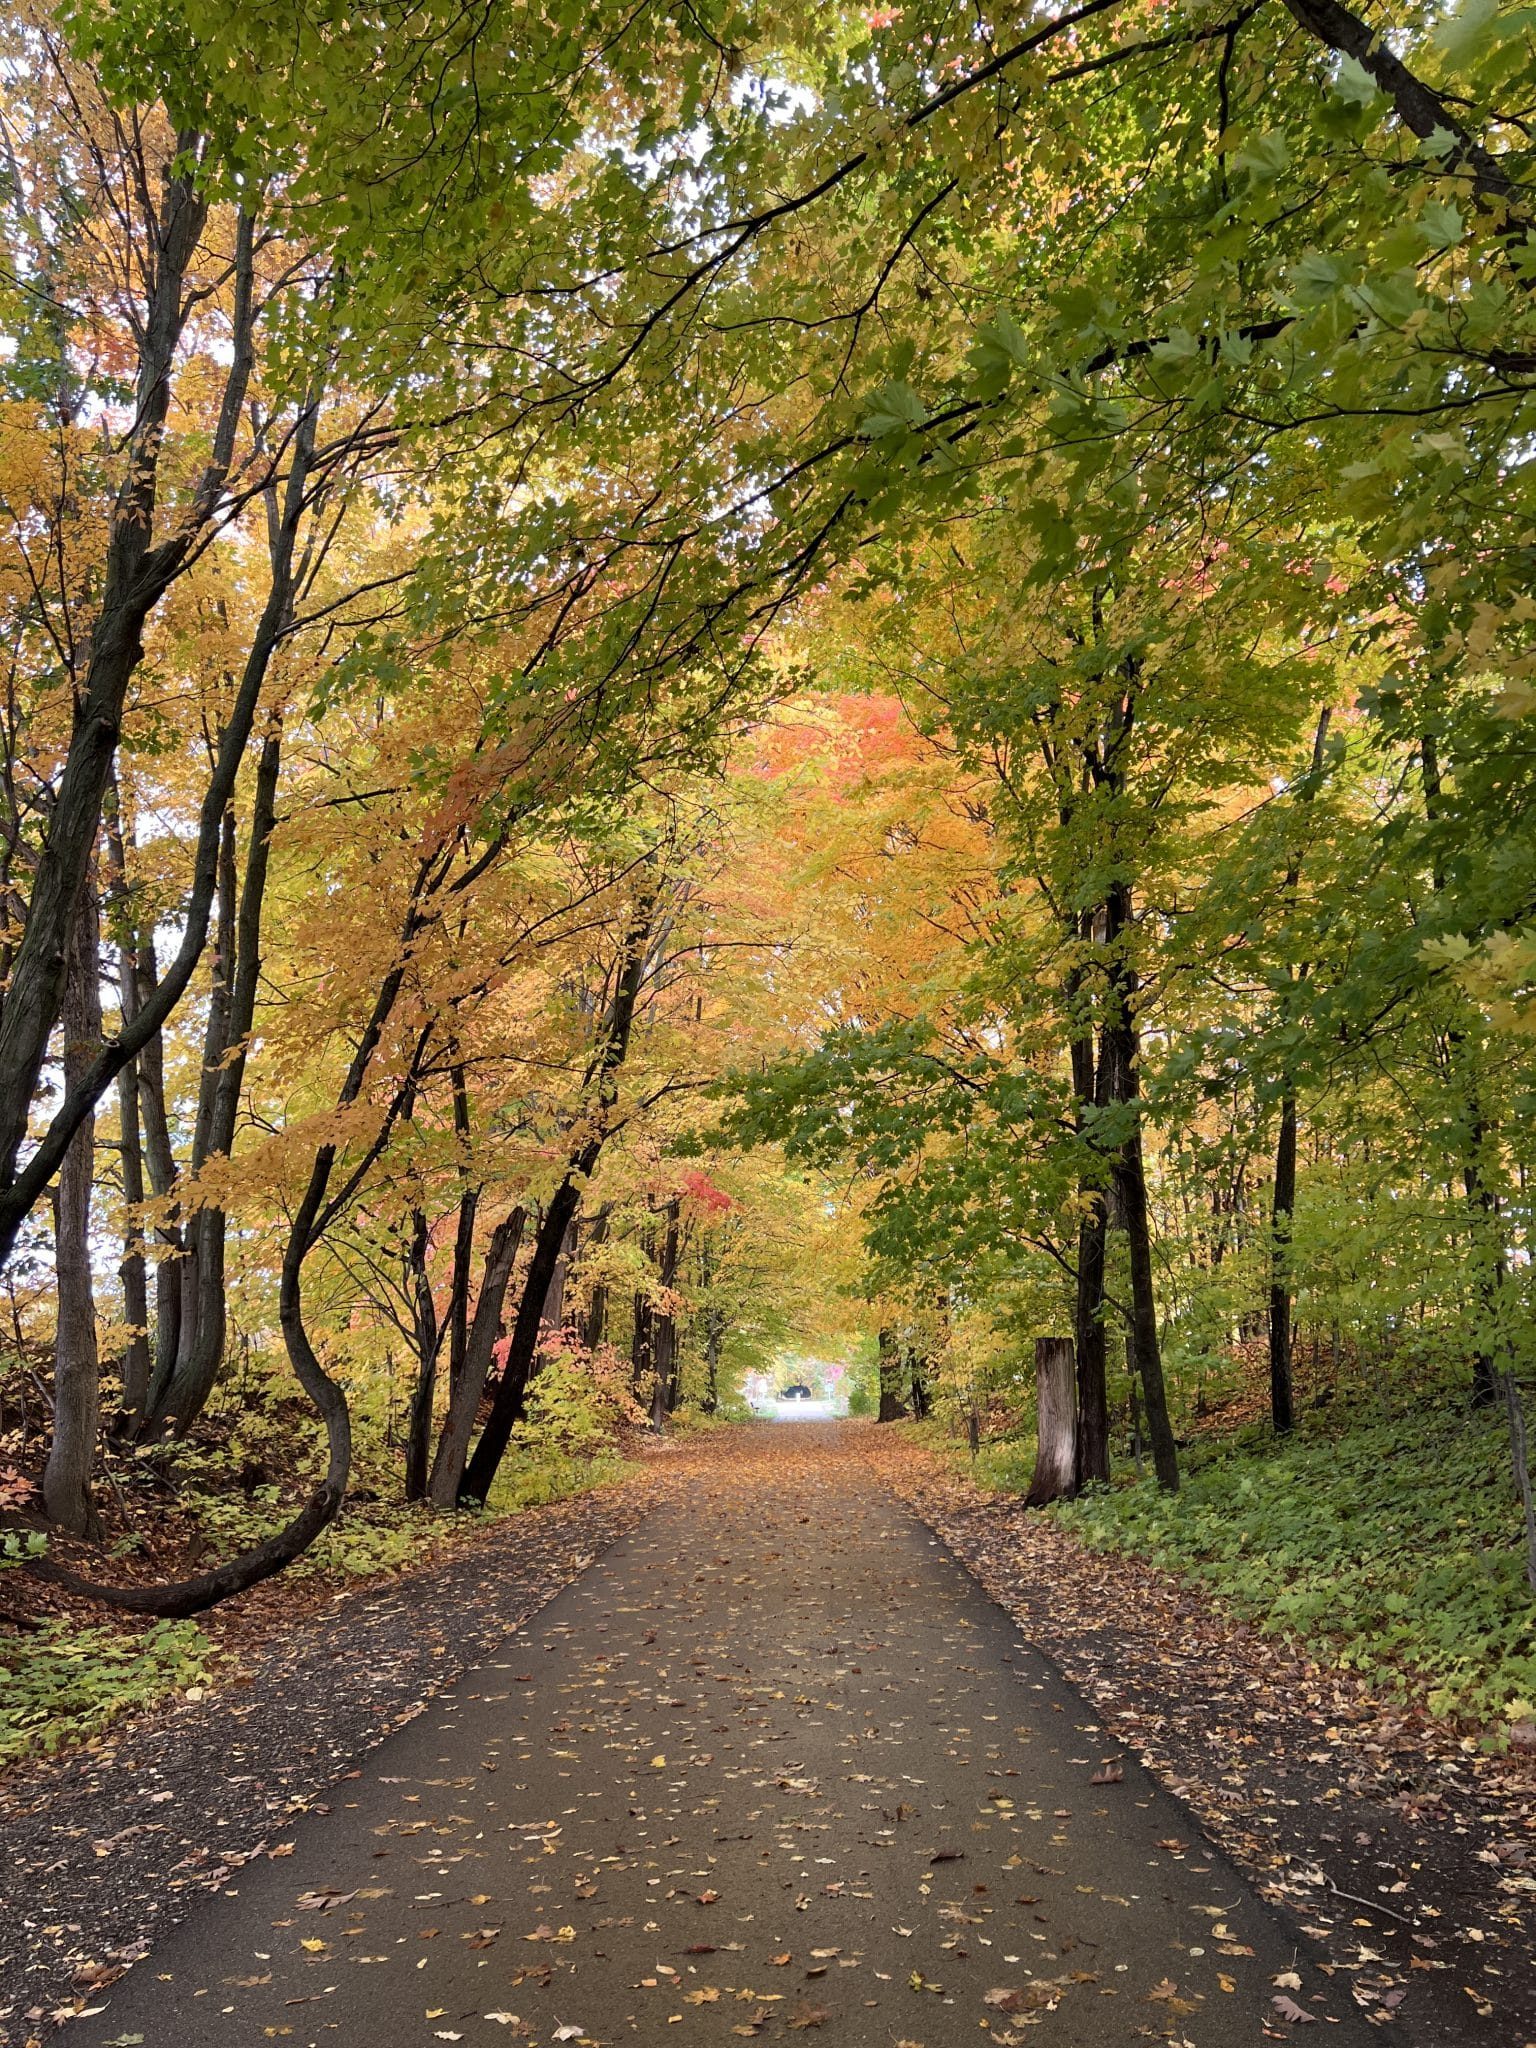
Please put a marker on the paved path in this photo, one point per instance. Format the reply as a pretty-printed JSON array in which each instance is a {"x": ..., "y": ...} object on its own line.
[{"x": 772, "y": 1767}]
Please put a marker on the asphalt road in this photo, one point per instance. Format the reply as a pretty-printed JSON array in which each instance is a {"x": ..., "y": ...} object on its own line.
[{"x": 773, "y": 1766}]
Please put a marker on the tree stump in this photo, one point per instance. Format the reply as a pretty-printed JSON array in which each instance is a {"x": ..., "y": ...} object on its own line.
[{"x": 1056, "y": 1429}]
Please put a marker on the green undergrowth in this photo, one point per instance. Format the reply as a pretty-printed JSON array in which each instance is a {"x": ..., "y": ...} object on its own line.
[
  {"x": 62, "y": 1683},
  {"x": 1002, "y": 1464},
  {"x": 1392, "y": 1545},
  {"x": 1005, "y": 1463},
  {"x": 534, "y": 1478}
]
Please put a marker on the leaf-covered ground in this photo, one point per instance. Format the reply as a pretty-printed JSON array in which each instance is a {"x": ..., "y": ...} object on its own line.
[
  {"x": 109, "y": 1845},
  {"x": 70, "y": 1667},
  {"x": 1394, "y": 1840},
  {"x": 803, "y": 1734},
  {"x": 773, "y": 1766}
]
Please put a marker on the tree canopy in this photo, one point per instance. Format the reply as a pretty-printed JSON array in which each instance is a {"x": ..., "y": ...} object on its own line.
[{"x": 684, "y": 681}]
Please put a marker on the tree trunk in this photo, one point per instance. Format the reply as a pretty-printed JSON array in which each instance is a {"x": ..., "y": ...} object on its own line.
[
  {"x": 1055, "y": 1474},
  {"x": 552, "y": 1315},
  {"x": 179, "y": 1397},
  {"x": 921, "y": 1404},
  {"x": 1120, "y": 1052},
  {"x": 465, "y": 1392},
  {"x": 642, "y": 1350},
  {"x": 1282, "y": 1406},
  {"x": 134, "y": 1363},
  {"x": 712, "y": 1336},
  {"x": 595, "y": 1321},
  {"x": 1521, "y": 1458},
  {"x": 160, "y": 1165},
  {"x": 892, "y": 1400},
  {"x": 664, "y": 1398},
  {"x": 1488, "y": 1267},
  {"x": 463, "y": 1236},
  {"x": 509, "y": 1404},
  {"x": 664, "y": 1352},
  {"x": 418, "y": 1426},
  {"x": 1090, "y": 1344},
  {"x": 1088, "y": 1313},
  {"x": 602, "y": 1085},
  {"x": 1281, "y": 1402},
  {"x": 77, "y": 1367},
  {"x": 176, "y": 1401},
  {"x": 1482, "y": 1204}
]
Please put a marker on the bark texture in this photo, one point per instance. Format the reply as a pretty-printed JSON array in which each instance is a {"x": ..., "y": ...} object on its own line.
[
  {"x": 77, "y": 1367},
  {"x": 1055, "y": 1473}
]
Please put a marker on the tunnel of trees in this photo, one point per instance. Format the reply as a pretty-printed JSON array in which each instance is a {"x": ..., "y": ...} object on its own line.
[{"x": 683, "y": 678}]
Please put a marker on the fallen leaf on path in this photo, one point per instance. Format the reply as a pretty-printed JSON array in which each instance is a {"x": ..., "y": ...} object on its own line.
[
  {"x": 1040, "y": 1997},
  {"x": 1288, "y": 2009}
]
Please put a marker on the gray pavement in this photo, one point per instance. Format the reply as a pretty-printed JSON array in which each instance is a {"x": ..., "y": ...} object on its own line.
[{"x": 773, "y": 1767}]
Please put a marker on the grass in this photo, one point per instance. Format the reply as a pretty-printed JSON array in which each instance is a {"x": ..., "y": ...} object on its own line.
[
  {"x": 1391, "y": 1543},
  {"x": 63, "y": 1683}
]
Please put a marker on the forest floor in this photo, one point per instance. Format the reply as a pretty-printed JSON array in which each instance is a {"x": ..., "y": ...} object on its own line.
[{"x": 866, "y": 1758}]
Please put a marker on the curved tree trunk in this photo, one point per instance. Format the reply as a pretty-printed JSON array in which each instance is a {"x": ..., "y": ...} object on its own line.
[{"x": 196, "y": 1595}]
